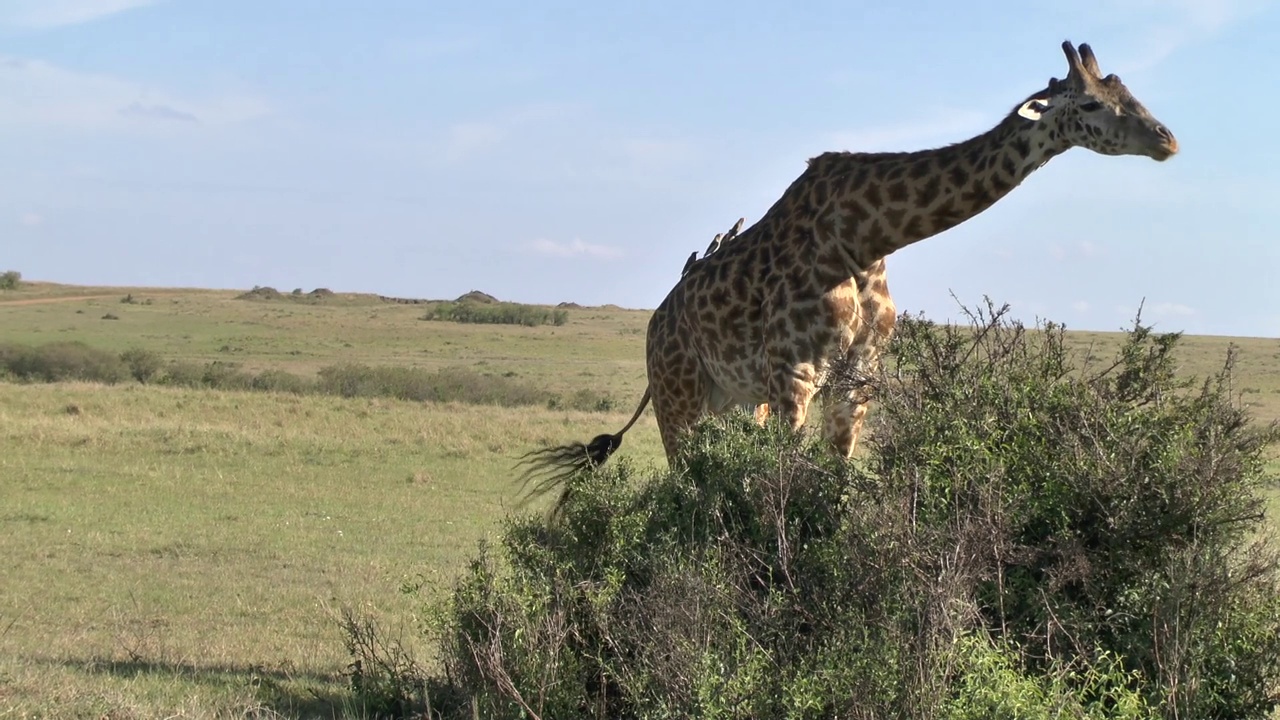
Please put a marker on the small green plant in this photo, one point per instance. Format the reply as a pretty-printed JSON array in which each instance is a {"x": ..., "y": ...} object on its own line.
[
  {"x": 382, "y": 673},
  {"x": 993, "y": 684},
  {"x": 10, "y": 280}
]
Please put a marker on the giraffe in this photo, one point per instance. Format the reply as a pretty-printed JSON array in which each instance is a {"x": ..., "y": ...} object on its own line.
[
  {"x": 759, "y": 412},
  {"x": 762, "y": 319}
]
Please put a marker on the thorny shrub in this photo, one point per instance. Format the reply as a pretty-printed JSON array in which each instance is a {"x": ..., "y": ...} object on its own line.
[{"x": 1027, "y": 536}]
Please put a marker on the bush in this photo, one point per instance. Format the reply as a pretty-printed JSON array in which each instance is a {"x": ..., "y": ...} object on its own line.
[
  {"x": 585, "y": 399},
  {"x": 1027, "y": 537},
  {"x": 183, "y": 374},
  {"x": 420, "y": 384},
  {"x": 220, "y": 375},
  {"x": 10, "y": 280},
  {"x": 61, "y": 361},
  {"x": 260, "y": 292},
  {"x": 1123, "y": 504},
  {"x": 281, "y": 381},
  {"x": 216, "y": 375},
  {"x": 500, "y": 313},
  {"x": 76, "y": 361},
  {"x": 266, "y": 292},
  {"x": 144, "y": 365}
]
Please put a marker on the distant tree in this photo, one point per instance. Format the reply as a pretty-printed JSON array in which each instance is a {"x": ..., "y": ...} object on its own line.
[{"x": 10, "y": 280}]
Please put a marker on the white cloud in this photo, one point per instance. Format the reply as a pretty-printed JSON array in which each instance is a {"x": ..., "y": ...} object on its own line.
[
  {"x": 651, "y": 155},
  {"x": 1157, "y": 312},
  {"x": 1085, "y": 249},
  {"x": 1169, "y": 309},
  {"x": 35, "y": 92},
  {"x": 86, "y": 172},
  {"x": 30, "y": 219},
  {"x": 470, "y": 138},
  {"x": 1080, "y": 306},
  {"x": 42, "y": 14},
  {"x": 422, "y": 49},
  {"x": 157, "y": 112},
  {"x": 1174, "y": 24},
  {"x": 543, "y": 246},
  {"x": 466, "y": 139}
]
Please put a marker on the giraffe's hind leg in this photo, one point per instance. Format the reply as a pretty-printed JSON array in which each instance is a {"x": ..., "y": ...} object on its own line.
[{"x": 680, "y": 396}]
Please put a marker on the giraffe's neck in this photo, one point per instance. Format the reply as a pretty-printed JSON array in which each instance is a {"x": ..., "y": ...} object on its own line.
[{"x": 880, "y": 202}]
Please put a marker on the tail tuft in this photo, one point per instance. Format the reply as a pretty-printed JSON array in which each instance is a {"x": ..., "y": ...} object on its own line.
[{"x": 551, "y": 467}]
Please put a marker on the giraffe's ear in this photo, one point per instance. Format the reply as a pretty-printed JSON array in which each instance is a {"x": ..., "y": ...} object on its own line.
[{"x": 1033, "y": 108}]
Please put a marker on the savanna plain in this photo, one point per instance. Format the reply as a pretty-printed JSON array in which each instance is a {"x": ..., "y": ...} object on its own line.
[{"x": 180, "y": 551}]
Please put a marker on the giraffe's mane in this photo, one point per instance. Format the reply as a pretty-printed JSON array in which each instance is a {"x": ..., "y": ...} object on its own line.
[
  {"x": 821, "y": 161},
  {"x": 836, "y": 162}
]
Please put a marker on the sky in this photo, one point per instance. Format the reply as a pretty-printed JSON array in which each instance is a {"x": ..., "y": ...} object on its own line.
[{"x": 579, "y": 151}]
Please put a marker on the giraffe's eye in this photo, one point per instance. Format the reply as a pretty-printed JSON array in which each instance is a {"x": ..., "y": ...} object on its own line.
[{"x": 1091, "y": 106}]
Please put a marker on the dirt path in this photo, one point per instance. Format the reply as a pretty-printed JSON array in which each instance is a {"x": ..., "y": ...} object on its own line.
[
  {"x": 56, "y": 299},
  {"x": 97, "y": 296}
]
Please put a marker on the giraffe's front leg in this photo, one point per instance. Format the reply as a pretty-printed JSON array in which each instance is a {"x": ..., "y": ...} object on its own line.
[
  {"x": 842, "y": 423},
  {"x": 761, "y": 414},
  {"x": 791, "y": 390},
  {"x": 846, "y": 400}
]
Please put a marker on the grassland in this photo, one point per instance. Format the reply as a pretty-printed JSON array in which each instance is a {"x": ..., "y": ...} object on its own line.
[
  {"x": 177, "y": 552},
  {"x": 304, "y": 335}
]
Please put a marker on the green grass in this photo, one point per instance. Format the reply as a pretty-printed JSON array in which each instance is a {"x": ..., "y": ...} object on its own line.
[
  {"x": 174, "y": 551},
  {"x": 167, "y": 547}
]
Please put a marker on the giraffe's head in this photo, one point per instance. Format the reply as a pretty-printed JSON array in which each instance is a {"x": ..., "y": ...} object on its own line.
[{"x": 1095, "y": 112}]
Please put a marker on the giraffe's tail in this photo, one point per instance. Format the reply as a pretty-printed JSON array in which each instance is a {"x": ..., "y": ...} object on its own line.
[{"x": 549, "y": 468}]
